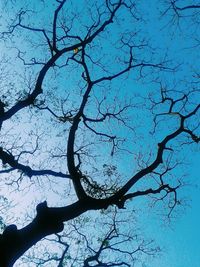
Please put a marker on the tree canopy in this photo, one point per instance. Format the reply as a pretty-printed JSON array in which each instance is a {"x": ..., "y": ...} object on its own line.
[{"x": 99, "y": 114}]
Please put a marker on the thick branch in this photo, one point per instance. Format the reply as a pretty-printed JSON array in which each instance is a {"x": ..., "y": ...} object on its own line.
[
  {"x": 8, "y": 158},
  {"x": 151, "y": 167},
  {"x": 14, "y": 243},
  {"x": 74, "y": 172},
  {"x": 55, "y": 24}
]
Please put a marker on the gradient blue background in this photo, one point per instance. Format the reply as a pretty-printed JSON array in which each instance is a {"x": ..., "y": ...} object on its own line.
[{"x": 179, "y": 239}]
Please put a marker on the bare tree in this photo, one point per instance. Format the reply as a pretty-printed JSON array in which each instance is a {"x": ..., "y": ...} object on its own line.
[
  {"x": 111, "y": 245},
  {"x": 180, "y": 11},
  {"x": 63, "y": 114}
]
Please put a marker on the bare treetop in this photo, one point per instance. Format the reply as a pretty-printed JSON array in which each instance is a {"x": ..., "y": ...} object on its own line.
[{"x": 94, "y": 111}]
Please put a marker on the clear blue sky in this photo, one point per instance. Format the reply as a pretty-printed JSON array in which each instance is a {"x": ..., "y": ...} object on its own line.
[{"x": 180, "y": 239}]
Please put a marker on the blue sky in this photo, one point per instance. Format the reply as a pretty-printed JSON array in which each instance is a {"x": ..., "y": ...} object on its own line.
[{"x": 179, "y": 239}]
